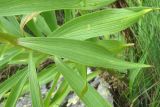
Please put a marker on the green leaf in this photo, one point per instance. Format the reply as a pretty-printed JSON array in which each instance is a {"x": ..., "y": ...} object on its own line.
[
  {"x": 16, "y": 91},
  {"x": 22, "y": 58},
  {"x": 9, "y": 55},
  {"x": 34, "y": 85},
  {"x": 4, "y": 37},
  {"x": 10, "y": 25},
  {"x": 64, "y": 90},
  {"x": 134, "y": 73},
  {"x": 83, "y": 52},
  {"x": 68, "y": 15},
  {"x": 45, "y": 76},
  {"x": 17, "y": 7},
  {"x": 51, "y": 19},
  {"x": 49, "y": 94},
  {"x": 10, "y": 82},
  {"x": 113, "y": 46},
  {"x": 99, "y": 3},
  {"x": 100, "y": 23},
  {"x": 91, "y": 97},
  {"x": 82, "y": 69},
  {"x": 60, "y": 94}
]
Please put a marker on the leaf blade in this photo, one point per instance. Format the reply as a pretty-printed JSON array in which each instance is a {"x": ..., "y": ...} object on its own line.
[
  {"x": 99, "y": 23},
  {"x": 16, "y": 91},
  {"x": 18, "y": 7},
  {"x": 91, "y": 98},
  {"x": 34, "y": 85},
  {"x": 83, "y": 52}
]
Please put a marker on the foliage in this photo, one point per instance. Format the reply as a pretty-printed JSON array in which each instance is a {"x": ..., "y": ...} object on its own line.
[
  {"x": 146, "y": 85},
  {"x": 30, "y": 34}
]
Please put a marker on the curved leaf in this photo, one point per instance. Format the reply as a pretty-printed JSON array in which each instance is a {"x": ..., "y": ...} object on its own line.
[
  {"x": 9, "y": 55},
  {"x": 9, "y": 83},
  {"x": 91, "y": 97},
  {"x": 17, "y": 7},
  {"x": 99, "y": 23},
  {"x": 83, "y": 52},
  {"x": 16, "y": 91}
]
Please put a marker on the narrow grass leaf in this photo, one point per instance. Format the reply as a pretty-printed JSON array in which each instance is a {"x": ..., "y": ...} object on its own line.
[
  {"x": 16, "y": 91},
  {"x": 44, "y": 77},
  {"x": 34, "y": 85},
  {"x": 10, "y": 82},
  {"x": 64, "y": 90},
  {"x": 91, "y": 98},
  {"x": 51, "y": 19},
  {"x": 49, "y": 94},
  {"x": 10, "y": 25},
  {"x": 82, "y": 69},
  {"x": 134, "y": 73},
  {"x": 60, "y": 94},
  {"x": 9, "y": 55}
]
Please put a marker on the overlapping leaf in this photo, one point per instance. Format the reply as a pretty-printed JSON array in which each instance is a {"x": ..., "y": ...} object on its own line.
[
  {"x": 113, "y": 46},
  {"x": 8, "y": 55},
  {"x": 100, "y": 23},
  {"x": 34, "y": 85},
  {"x": 10, "y": 25},
  {"x": 17, "y": 7},
  {"x": 9, "y": 83},
  {"x": 83, "y": 52},
  {"x": 16, "y": 91},
  {"x": 91, "y": 97}
]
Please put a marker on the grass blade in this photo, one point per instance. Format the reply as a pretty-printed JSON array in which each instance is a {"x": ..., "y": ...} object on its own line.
[
  {"x": 9, "y": 55},
  {"x": 16, "y": 91},
  {"x": 134, "y": 74},
  {"x": 51, "y": 19},
  {"x": 9, "y": 83},
  {"x": 91, "y": 98},
  {"x": 34, "y": 85},
  {"x": 49, "y": 94}
]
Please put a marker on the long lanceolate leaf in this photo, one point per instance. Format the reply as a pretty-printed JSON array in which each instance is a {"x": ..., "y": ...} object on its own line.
[
  {"x": 83, "y": 52},
  {"x": 91, "y": 98},
  {"x": 44, "y": 77},
  {"x": 100, "y": 23},
  {"x": 10, "y": 25},
  {"x": 17, "y": 7},
  {"x": 60, "y": 94},
  {"x": 49, "y": 94},
  {"x": 6, "y": 85},
  {"x": 34, "y": 85},
  {"x": 16, "y": 91}
]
